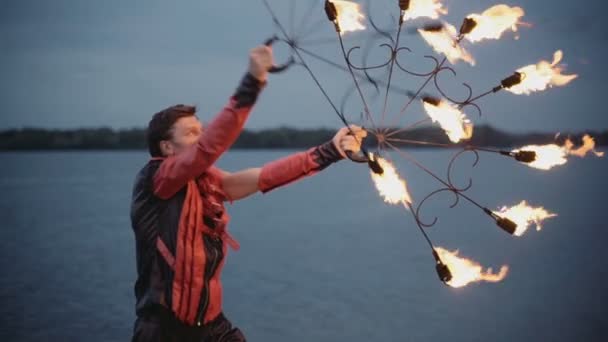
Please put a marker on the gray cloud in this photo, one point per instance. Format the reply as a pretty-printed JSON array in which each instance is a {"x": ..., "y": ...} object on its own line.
[{"x": 69, "y": 63}]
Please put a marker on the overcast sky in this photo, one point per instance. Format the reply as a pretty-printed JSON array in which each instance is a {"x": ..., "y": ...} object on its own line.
[{"x": 83, "y": 63}]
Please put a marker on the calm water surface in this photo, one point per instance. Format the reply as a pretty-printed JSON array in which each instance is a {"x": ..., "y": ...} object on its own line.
[{"x": 321, "y": 260}]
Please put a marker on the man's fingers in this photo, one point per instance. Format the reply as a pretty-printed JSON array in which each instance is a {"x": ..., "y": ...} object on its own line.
[
  {"x": 349, "y": 143},
  {"x": 353, "y": 129},
  {"x": 356, "y": 129},
  {"x": 351, "y": 147},
  {"x": 260, "y": 60},
  {"x": 349, "y": 139},
  {"x": 357, "y": 139}
]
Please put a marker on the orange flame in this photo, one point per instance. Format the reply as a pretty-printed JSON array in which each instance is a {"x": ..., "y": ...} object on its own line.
[
  {"x": 465, "y": 271},
  {"x": 425, "y": 8},
  {"x": 542, "y": 75},
  {"x": 523, "y": 215},
  {"x": 494, "y": 21},
  {"x": 451, "y": 119},
  {"x": 549, "y": 156},
  {"x": 444, "y": 42},
  {"x": 390, "y": 185},
  {"x": 588, "y": 145},
  {"x": 349, "y": 16}
]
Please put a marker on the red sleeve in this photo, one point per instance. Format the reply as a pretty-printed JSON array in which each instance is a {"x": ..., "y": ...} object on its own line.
[
  {"x": 175, "y": 171},
  {"x": 296, "y": 166}
]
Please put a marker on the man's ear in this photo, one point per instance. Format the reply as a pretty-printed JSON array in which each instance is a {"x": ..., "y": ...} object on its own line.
[{"x": 166, "y": 148}]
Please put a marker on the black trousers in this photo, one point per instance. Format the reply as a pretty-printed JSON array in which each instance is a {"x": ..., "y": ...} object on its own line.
[{"x": 160, "y": 325}]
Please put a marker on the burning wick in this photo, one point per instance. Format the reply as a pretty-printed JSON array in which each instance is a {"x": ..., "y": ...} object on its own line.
[
  {"x": 433, "y": 27},
  {"x": 510, "y": 81},
  {"x": 506, "y": 225},
  {"x": 332, "y": 14},
  {"x": 375, "y": 166},
  {"x": 503, "y": 222},
  {"x": 524, "y": 156},
  {"x": 344, "y": 14},
  {"x": 442, "y": 269},
  {"x": 468, "y": 24},
  {"x": 521, "y": 156},
  {"x": 412, "y": 9},
  {"x": 540, "y": 76},
  {"x": 451, "y": 119},
  {"x": 525, "y": 215},
  {"x": 549, "y": 156},
  {"x": 492, "y": 23},
  {"x": 457, "y": 271},
  {"x": 444, "y": 39},
  {"x": 403, "y": 6},
  {"x": 517, "y": 219}
]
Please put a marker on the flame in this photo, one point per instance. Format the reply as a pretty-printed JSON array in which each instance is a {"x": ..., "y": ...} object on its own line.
[
  {"x": 465, "y": 271},
  {"x": 549, "y": 156},
  {"x": 390, "y": 185},
  {"x": 451, "y": 119},
  {"x": 542, "y": 75},
  {"x": 523, "y": 215},
  {"x": 425, "y": 8},
  {"x": 494, "y": 21},
  {"x": 444, "y": 42},
  {"x": 588, "y": 145},
  {"x": 349, "y": 16}
]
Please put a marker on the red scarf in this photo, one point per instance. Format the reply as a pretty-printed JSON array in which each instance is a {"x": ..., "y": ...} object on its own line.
[
  {"x": 190, "y": 255},
  {"x": 190, "y": 258}
]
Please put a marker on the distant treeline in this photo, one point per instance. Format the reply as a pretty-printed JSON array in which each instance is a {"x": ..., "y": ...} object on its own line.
[{"x": 283, "y": 137}]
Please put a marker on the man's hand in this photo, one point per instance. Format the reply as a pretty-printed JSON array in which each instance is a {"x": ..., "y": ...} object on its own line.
[
  {"x": 344, "y": 141},
  {"x": 260, "y": 60}
]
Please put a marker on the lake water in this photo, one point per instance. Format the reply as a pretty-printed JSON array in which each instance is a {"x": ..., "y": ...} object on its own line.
[{"x": 321, "y": 260}]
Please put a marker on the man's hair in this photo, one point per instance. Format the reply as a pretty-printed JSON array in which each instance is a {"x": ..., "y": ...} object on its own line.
[{"x": 160, "y": 126}]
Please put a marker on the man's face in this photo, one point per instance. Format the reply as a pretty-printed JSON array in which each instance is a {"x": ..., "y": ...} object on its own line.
[{"x": 185, "y": 132}]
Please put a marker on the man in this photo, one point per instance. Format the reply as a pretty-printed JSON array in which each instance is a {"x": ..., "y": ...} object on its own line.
[{"x": 179, "y": 219}]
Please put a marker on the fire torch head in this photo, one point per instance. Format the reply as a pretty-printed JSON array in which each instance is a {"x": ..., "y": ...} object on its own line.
[
  {"x": 525, "y": 156},
  {"x": 404, "y": 5},
  {"x": 443, "y": 272},
  {"x": 433, "y": 27},
  {"x": 375, "y": 166},
  {"x": 442, "y": 269},
  {"x": 468, "y": 24},
  {"x": 431, "y": 100},
  {"x": 331, "y": 11},
  {"x": 512, "y": 80},
  {"x": 506, "y": 225}
]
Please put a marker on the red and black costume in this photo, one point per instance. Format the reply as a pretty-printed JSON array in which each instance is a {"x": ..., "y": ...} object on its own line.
[{"x": 180, "y": 221}]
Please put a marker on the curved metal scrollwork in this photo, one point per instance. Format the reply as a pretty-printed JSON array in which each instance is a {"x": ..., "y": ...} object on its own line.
[
  {"x": 443, "y": 93},
  {"x": 450, "y": 187},
  {"x": 364, "y": 67},
  {"x": 451, "y": 167},
  {"x": 416, "y": 73},
  {"x": 416, "y": 213},
  {"x": 380, "y": 40}
]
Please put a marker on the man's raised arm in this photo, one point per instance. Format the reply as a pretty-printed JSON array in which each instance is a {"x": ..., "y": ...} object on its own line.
[{"x": 175, "y": 171}]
